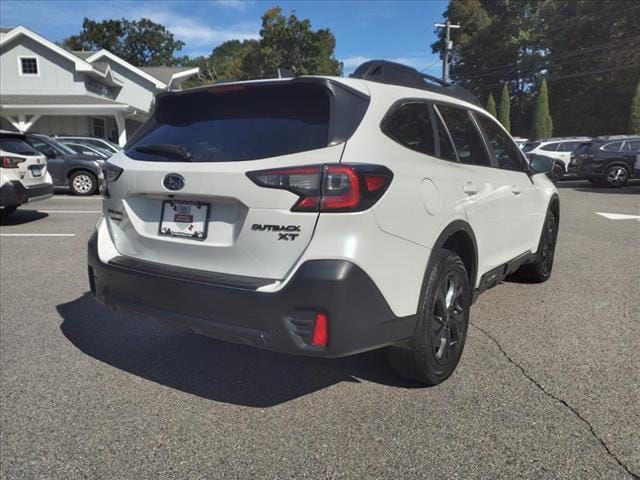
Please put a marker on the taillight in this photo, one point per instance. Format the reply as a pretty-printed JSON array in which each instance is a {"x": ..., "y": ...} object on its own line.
[
  {"x": 329, "y": 188},
  {"x": 11, "y": 162},
  {"x": 110, "y": 174}
]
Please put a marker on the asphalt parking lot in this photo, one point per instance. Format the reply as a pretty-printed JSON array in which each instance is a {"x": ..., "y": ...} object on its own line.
[{"x": 548, "y": 385}]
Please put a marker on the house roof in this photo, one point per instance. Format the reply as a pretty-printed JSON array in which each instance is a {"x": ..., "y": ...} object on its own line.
[
  {"x": 163, "y": 74},
  {"x": 107, "y": 54},
  {"x": 6, "y": 29},
  {"x": 55, "y": 100},
  {"x": 83, "y": 54}
]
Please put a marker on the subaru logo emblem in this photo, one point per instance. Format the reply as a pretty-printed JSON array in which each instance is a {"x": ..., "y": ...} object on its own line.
[{"x": 173, "y": 182}]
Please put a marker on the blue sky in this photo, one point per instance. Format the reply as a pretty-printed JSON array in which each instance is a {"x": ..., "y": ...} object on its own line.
[{"x": 400, "y": 31}]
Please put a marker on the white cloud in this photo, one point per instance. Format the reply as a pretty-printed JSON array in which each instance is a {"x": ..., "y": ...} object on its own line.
[
  {"x": 195, "y": 33},
  {"x": 353, "y": 62},
  {"x": 240, "y": 5}
]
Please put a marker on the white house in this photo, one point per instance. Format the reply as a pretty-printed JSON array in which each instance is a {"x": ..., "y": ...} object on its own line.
[{"x": 47, "y": 89}]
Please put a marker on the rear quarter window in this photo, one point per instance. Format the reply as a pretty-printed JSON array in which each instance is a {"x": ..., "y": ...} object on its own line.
[{"x": 410, "y": 125}]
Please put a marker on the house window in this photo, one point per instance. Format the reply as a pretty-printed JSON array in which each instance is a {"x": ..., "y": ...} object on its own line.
[
  {"x": 29, "y": 65},
  {"x": 98, "y": 127}
]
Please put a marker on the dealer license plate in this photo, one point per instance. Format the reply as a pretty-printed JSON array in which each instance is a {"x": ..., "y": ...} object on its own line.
[{"x": 180, "y": 218}]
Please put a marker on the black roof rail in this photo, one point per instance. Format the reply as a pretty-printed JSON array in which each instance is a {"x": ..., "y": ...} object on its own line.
[{"x": 384, "y": 71}]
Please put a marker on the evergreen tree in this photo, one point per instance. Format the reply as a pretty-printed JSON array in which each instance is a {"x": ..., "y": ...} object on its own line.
[
  {"x": 634, "y": 125},
  {"x": 542, "y": 122},
  {"x": 491, "y": 106},
  {"x": 504, "y": 110}
]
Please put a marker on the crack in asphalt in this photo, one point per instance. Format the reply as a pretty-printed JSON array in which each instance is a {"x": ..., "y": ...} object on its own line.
[{"x": 560, "y": 400}]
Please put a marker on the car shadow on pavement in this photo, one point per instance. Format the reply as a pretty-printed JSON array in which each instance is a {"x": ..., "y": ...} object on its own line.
[
  {"x": 209, "y": 368},
  {"x": 20, "y": 217}
]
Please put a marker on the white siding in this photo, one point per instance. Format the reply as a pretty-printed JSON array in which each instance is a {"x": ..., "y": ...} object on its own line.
[
  {"x": 137, "y": 91},
  {"x": 56, "y": 74},
  {"x": 62, "y": 125}
]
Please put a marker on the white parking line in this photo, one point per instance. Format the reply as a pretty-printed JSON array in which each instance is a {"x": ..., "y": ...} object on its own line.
[
  {"x": 618, "y": 216},
  {"x": 37, "y": 234},
  {"x": 69, "y": 211}
]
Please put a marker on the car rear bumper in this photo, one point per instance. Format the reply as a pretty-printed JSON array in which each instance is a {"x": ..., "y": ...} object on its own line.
[
  {"x": 359, "y": 317},
  {"x": 14, "y": 194}
]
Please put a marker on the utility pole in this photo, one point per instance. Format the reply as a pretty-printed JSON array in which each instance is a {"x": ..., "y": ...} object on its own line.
[{"x": 448, "y": 47}]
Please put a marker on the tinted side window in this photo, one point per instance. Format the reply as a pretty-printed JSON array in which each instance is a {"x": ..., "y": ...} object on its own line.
[
  {"x": 410, "y": 125},
  {"x": 505, "y": 151},
  {"x": 612, "y": 147},
  {"x": 447, "y": 152},
  {"x": 550, "y": 148},
  {"x": 42, "y": 147},
  {"x": 568, "y": 146},
  {"x": 466, "y": 137},
  {"x": 634, "y": 145}
]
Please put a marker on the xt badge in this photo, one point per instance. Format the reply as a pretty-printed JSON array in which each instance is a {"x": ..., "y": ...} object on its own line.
[{"x": 283, "y": 231}]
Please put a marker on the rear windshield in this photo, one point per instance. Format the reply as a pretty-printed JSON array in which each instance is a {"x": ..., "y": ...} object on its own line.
[
  {"x": 530, "y": 146},
  {"x": 236, "y": 122},
  {"x": 15, "y": 145}
]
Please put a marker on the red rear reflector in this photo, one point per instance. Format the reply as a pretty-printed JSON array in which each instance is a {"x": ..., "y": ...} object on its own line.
[
  {"x": 320, "y": 334},
  {"x": 375, "y": 182}
]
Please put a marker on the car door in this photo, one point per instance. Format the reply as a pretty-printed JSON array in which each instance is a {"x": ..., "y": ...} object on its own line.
[
  {"x": 528, "y": 208},
  {"x": 493, "y": 199}
]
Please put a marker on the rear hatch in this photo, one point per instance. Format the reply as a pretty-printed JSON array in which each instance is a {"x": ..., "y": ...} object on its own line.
[
  {"x": 29, "y": 165},
  {"x": 184, "y": 198}
]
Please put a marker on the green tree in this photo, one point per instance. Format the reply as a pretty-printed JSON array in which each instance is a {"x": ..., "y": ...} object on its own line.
[
  {"x": 542, "y": 123},
  {"x": 504, "y": 109},
  {"x": 491, "y": 106},
  {"x": 286, "y": 41},
  {"x": 634, "y": 125},
  {"x": 139, "y": 42}
]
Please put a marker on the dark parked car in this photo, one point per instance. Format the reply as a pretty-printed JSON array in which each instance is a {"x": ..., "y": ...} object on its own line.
[
  {"x": 607, "y": 160},
  {"x": 80, "y": 173}
]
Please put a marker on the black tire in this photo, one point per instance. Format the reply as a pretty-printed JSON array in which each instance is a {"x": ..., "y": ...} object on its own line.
[
  {"x": 540, "y": 269},
  {"x": 556, "y": 173},
  {"x": 83, "y": 183},
  {"x": 616, "y": 176},
  {"x": 443, "y": 321},
  {"x": 6, "y": 211}
]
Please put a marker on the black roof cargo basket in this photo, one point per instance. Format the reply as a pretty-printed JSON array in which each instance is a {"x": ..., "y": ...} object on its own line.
[{"x": 393, "y": 73}]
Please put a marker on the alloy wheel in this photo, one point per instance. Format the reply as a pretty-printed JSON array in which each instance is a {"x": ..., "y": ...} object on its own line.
[
  {"x": 82, "y": 183},
  {"x": 616, "y": 176},
  {"x": 448, "y": 312}
]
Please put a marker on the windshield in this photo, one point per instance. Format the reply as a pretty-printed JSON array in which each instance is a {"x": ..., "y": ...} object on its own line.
[
  {"x": 237, "y": 122},
  {"x": 530, "y": 146},
  {"x": 59, "y": 147}
]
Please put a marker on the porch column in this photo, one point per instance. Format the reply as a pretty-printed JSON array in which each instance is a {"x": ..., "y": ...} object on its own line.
[{"x": 122, "y": 131}]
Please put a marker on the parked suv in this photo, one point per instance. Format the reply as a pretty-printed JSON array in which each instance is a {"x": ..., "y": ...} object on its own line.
[
  {"x": 322, "y": 216},
  {"x": 607, "y": 160},
  {"x": 92, "y": 141},
  {"x": 23, "y": 173},
  {"x": 80, "y": 173},
  {"x": 559, "y": 149}
]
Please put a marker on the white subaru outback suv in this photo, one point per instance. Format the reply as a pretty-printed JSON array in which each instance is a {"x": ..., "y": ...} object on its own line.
[
  {"x": 322, "y": 216},
  {"x": 23, "y": 173}
]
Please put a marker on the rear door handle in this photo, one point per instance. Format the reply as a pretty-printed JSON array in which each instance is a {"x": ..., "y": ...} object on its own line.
[
  {"x": 470, "y": 188},
  {"x": 516, "y": 190}
]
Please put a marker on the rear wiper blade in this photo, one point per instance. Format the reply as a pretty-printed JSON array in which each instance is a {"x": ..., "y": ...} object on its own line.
[{"x": 175, "y": 151}]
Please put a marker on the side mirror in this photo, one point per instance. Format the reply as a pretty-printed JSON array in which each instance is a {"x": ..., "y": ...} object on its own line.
[{"x": 541, "y": 164}]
